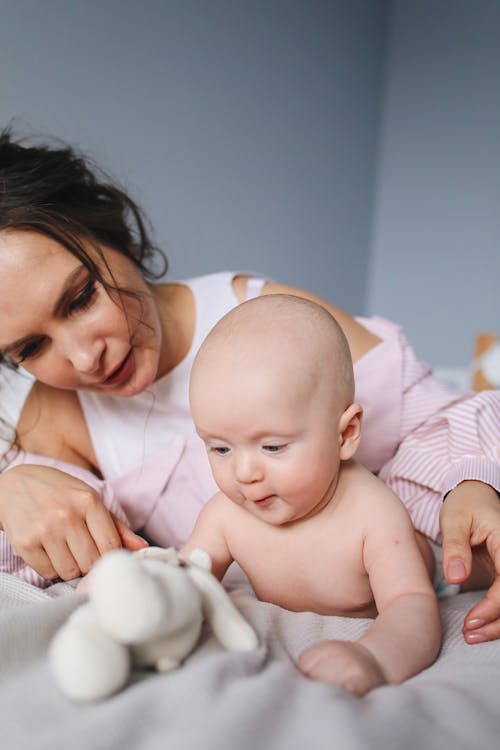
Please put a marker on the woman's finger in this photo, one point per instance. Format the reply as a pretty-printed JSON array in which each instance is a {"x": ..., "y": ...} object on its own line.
[
  {"x": 83, "y": 548},
  {"x": 457, "y": 553},
  {"x": 41, "y": 564},
  {"x": 130, "y": 539},
  {"x": 101, "y": 525},
  {"x": 64, "y": 563},
  {"x": 482, "y": 623}
]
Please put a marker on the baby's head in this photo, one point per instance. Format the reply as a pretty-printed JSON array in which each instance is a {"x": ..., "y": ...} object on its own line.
[
  {"x": 282, "y": 343},
  {"x": 272, "y": 387}
]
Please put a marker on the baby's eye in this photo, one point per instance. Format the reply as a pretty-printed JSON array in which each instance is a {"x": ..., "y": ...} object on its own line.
[
  {"x": 220, "y": 450},
  {"x": 274, "y": 448}
]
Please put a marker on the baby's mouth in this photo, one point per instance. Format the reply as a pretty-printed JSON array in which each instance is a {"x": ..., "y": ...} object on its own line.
[{"x": 263, "y": 500}]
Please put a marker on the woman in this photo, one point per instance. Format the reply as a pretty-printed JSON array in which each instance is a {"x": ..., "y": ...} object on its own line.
[{"x": 110, "y": 353}]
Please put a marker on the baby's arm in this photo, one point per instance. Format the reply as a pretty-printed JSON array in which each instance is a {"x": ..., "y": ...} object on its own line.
[
  {"x": 405, "y": 636},
  {"x": 208, "y": 534}
]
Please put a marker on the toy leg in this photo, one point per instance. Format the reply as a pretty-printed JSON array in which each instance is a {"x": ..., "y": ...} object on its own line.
[{"x": 88, "y": 665}]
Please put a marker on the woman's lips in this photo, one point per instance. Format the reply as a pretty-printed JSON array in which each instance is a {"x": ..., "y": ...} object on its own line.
[{"x": 122, "y": 372}]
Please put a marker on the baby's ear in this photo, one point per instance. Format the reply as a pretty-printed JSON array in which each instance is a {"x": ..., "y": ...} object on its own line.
[{"x": 350, "y": 431}]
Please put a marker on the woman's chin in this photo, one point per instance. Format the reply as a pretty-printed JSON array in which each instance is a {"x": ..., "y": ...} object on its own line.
[{"x": 142, "y": 377}]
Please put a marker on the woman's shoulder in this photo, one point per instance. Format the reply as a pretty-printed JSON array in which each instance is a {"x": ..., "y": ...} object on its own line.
[
  {"x": 361, "y": 340},
  {"x": 51, "y": 423},
  {"x": 233, "y": 283}
]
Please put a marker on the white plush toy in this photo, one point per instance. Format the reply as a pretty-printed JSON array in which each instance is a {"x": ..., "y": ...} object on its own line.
[{"x": 145, "y": 609}]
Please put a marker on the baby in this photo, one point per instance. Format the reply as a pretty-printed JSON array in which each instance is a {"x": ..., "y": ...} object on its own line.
[{"x": 272, "y": 397}]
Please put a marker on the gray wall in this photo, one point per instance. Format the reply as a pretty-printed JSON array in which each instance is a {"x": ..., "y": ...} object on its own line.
[
  {"x": 436, "y": 240},
  {"x": 247, "y": 128},
  {"x": 347, "y": 146}
]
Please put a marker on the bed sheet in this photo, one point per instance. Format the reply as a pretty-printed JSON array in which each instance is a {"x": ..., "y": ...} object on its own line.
[{"x": 226, "y": 701}]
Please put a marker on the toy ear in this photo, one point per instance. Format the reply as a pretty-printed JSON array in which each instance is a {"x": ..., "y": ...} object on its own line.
[
  {"x": 166, "y": 554},
  {"x": 350, "y": 431},
  {"x": 201, "y": 558},
  {"x": 227, "y": 623}
]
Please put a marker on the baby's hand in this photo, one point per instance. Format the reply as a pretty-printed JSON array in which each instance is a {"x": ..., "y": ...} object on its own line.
[
  {"x": 347, "y": 664},
  {"x": 83, "y": 584}
]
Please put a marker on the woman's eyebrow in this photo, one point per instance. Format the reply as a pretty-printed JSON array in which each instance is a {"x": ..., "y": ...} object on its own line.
[{"x": 68, "y": 285}]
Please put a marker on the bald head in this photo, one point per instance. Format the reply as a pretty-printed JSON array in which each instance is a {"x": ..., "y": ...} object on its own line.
[{"x": 295, "y": 337}]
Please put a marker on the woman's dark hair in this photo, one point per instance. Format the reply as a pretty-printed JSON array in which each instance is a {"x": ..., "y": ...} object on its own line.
[
  {"x": 51, "y": 189},
  {"x": 57, "y": 192}
]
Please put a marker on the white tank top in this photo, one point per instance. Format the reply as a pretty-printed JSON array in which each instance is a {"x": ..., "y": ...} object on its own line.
[{"x": 126, "y": 431}]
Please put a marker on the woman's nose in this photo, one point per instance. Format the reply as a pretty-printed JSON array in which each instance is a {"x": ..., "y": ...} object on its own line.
[
  {"x": 247, "y": 468},
  {"x": 84, "y": 352}
]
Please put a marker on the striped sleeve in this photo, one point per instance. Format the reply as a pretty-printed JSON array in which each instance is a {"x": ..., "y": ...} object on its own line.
[
  {"x": 15, "y": 565},
  {"x": 459, "y": 443},
  {"x": 476, "y": 438}
]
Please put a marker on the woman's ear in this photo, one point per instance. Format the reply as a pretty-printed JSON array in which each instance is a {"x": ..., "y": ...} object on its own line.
[{"x": 350, "y": 431}]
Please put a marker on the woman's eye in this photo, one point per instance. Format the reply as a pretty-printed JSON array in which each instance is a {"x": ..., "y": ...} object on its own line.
[
  {"x": 29, "y": 350},
  {"x": 84, "y": 298}
]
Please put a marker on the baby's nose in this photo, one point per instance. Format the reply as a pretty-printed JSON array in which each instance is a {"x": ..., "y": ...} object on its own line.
[{"x": 248, "y": 468}]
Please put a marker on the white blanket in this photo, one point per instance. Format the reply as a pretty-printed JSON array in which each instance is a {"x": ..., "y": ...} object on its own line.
[{"x": 225, "y": 701}]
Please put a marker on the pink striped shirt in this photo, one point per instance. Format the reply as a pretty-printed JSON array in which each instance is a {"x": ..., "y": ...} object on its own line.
[{"x": 441, "y": 437}]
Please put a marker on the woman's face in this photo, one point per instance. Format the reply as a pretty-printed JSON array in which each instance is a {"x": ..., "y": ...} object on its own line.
[{"x": 65, "y": 328}]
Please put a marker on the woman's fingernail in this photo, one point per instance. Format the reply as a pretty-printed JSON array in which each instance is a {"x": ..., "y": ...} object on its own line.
[
  {"x": 475, "y": 638},
  {"x": 455, "y": 570},
  {"x": 476, "y": 622}
]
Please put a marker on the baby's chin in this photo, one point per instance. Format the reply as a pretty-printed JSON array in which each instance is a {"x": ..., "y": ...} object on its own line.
[{"x": 272, "y": 511}]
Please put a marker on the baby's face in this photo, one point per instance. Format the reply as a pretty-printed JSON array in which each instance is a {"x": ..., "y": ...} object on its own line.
[{"x": 272, "y": 441}]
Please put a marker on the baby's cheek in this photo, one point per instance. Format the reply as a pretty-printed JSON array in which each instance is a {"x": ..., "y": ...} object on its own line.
[{"x": 223, "y": 479}]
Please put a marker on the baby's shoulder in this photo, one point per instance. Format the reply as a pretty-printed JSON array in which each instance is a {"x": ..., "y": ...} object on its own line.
[
  {"x": 367, "y": 492},
  {"x": 220, "y": 507}
]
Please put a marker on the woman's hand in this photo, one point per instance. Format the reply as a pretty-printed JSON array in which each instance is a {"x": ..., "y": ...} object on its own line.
[
  {"x": 470, "y": 525},
  {"x": 57, "y": 523}
]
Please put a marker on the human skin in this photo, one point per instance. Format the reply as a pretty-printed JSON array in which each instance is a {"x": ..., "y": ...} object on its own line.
[
  {"x": 312, "y": 529},
  {"x": 58, "y": 526},
  {"x": 366, "y": 538},
  {"x": 52, "y": 422},
  {"x": 470, "y": 521}
]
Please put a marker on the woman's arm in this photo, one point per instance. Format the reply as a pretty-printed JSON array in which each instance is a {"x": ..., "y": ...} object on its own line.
[{"x": 52, "y": 424}]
